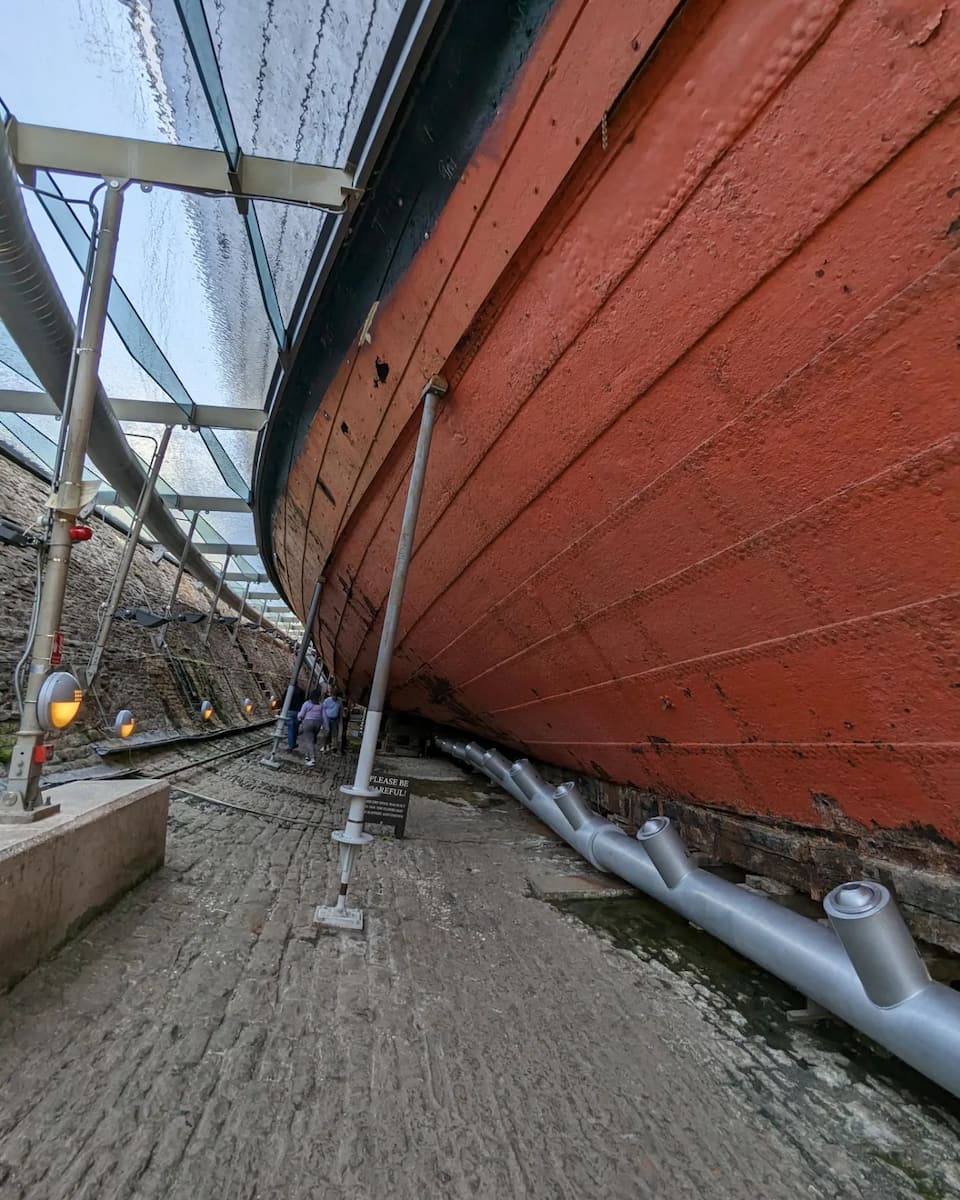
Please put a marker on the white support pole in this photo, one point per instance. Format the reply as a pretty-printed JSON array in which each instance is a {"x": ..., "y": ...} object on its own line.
[
  {"x": 126, "y": 559},
  {"x": 21, "y": 800},
  {"x": 271, "y": 759},
  {"x": 352, "y": 837}
]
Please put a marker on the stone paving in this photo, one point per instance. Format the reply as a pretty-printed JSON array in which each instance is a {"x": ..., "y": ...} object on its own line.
[{"x": 204, "y": 1039}]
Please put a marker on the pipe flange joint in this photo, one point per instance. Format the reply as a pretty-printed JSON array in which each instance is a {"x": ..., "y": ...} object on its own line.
[
  {"x": 858, "y": 899},
  {"x": 345, "y": 838}
]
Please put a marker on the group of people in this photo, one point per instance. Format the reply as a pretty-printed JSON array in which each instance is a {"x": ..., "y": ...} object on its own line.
[{"x": 309, "y": 716}]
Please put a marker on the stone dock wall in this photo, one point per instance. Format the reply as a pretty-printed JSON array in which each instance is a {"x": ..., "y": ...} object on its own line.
[{"x": 162, "y": 687}]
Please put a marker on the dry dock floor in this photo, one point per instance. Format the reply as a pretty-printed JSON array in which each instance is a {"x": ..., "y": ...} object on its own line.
[{"x": 204, "y": 1040}]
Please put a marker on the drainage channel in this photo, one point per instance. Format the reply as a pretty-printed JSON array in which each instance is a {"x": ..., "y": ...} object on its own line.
[
  {"x": 162, "y": 759},
  {"x": 896, "y": 1133}
]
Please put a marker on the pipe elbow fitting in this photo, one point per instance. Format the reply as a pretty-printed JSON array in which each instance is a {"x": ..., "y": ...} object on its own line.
[
  {"x": 666, "y": 851},
  {"x": 495, "y": 765},
  {"x": 473, "y": 754},
  {"x": 866, "y": 919},
  {"x": 572, "y": 804}
]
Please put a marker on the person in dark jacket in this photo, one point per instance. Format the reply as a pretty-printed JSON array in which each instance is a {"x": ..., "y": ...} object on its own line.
[
  {"x": 311, "y": 722},
  {"x": 332, "y": 709},
  {"x": 293, "y": 716}
]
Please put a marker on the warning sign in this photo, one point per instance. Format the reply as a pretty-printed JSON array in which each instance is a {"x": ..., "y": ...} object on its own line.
[{"x": 391, "y": 806}]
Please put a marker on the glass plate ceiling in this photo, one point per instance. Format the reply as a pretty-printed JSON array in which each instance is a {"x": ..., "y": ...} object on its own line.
[{"x": 203, "y": 295}]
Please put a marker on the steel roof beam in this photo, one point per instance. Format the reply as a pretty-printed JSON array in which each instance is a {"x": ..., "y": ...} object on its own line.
[
  {"x": 152, "y": 412},
  {"x": 231, "y": 548},
  {"x": 184, "y": 503},
  {"x": 218, "y": 548},
  {"x": 186, "y": 168}
]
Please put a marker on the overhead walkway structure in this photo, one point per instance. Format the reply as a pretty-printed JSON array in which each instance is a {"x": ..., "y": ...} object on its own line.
[{"x": 223, "y": 204}]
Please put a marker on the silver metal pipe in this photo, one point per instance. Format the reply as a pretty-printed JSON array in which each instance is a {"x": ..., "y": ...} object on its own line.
[
  {"x": 538, "y": 796},
  {"x": 22, "y": 796},
  {"x": 867, "y": 973},
  {"x": 126, "y": 559},
  {"x": 352, "y": 837},
  {"x": 271, "y": 760}
]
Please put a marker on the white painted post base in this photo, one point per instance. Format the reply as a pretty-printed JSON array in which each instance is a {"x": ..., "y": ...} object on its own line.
[{"x": 339, "y": 918}]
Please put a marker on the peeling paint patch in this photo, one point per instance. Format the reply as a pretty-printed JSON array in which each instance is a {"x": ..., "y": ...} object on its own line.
[
  {"x": 916, "y": 22},
  {"x": 929, "y": 29}
]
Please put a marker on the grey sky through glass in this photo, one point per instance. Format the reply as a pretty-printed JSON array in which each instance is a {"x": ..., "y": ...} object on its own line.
[{"x": 296, "y": 77}]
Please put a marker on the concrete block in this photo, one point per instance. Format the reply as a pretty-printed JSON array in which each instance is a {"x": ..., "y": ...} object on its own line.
[
  {"x": 58, "y": 873},
  {"x": 584, "y": 885}
]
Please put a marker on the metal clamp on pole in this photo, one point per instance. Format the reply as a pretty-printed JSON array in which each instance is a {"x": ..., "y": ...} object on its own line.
[
  {"x": 271, "y": 759},
  {"x": 352, "y": 838}
]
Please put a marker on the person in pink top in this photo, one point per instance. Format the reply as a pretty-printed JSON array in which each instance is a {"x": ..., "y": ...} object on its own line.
[{"x": 311, "y": 722}]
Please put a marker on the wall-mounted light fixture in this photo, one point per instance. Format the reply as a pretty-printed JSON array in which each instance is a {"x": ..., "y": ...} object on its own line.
[
  {"x": 59, "y": 701},
  {"x": 248, "y": 706},
  {"x": 206, "y": 710},
  {"x": 124, "y": 723}
]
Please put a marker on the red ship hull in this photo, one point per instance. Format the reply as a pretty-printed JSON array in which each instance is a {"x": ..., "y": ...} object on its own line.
[{"x": 692, "y": 514}]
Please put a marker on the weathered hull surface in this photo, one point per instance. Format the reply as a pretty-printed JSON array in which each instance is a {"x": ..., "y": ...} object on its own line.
[{"x": 692, "y": 516}]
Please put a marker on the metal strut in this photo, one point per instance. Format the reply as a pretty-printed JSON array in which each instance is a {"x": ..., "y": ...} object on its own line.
[
  {"x": 352, "y": 837},
  {"x": 271, "y": 759},
  {"x": 126, "y": 559},
  {"x": 243, "y": 605},
  {"x": 216, "y": 600},
  {"x": 162, "y": 639},
  {"x": 21, "y": 801}
]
